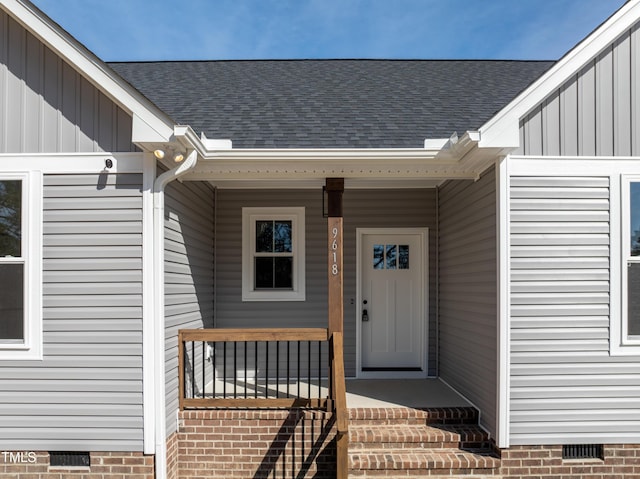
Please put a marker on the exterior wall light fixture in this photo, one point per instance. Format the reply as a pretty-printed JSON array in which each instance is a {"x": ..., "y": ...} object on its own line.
[{"x": 160, "y": 154}]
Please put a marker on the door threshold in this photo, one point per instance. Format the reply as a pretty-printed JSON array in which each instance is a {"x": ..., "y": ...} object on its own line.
[{"x": 391, "y": 369}]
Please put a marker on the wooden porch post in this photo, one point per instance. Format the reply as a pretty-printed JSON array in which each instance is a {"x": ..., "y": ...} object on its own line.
[{"x": 334, "y": 188}]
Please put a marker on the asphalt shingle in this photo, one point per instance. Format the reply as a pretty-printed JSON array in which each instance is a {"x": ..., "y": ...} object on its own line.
[{"x": 331, "y": 103}]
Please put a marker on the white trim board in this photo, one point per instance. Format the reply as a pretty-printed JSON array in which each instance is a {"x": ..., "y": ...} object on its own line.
[
  {"x": 31, "y": 258},
  {"x": 504, "y": 305},
  {"x": 149, "y": 324},
  {"x": 73, "y": 163}
]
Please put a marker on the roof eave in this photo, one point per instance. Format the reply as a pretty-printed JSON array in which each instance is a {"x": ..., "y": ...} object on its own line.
[
  {"x": 501, "y": 132},
  {"x": 442, "y": 159}
]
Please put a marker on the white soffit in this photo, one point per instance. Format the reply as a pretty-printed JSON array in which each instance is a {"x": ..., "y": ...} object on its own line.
[
  {"x": 502, "y": 131},
  {"x": 150, "y": 123},
  {"x": 444, "y": 159}
]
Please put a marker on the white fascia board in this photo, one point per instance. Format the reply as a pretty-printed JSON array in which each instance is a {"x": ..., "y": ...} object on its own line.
[
  {"x": 304, "y": 154},
  {"x": 91, "y": 67},
  {"x": 502, "y": 131},
  {"x": 143, "y": 133}
]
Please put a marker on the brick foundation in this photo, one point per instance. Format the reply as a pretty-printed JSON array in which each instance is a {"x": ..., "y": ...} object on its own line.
[
  {"x": 529, "y": 462},
  {"x": 256, "y": 444},
  {"x": 104, "y": 465},
  {"x": 172, "y": 456}
]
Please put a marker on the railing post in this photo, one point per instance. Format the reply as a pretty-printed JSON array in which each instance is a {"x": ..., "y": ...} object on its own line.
[
  {"x": 180, "y": 371},
  {"x": 339, "y": 400}
]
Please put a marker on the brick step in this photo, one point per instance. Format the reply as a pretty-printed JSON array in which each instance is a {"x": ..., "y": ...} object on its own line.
[
  {"x": 416, "y": 461},
  {"x": 403, "y": 436},
  {"x": 401, "y": 415},
  {"x": 417, "y": 474}
]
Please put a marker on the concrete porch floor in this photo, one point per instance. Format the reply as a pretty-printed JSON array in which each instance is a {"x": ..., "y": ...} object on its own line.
[
  {"x": 402, "y": 393},
  {"x": 361, "y": 393}
]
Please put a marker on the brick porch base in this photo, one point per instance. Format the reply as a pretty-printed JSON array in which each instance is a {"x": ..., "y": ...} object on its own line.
[
  {"x": 297, "y": 444},
  {"x": 255, "y": 444}
]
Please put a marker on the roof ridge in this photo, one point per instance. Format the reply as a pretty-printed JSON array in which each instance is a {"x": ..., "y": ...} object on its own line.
[{"x": 320, "y": 60}]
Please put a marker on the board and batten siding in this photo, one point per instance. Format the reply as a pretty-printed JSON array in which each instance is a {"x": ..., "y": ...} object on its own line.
[
  {"x": 86, "y": 394},
  {"x": 362, "y": 209},
  {"x": 46, "y": 106},
  {"x": 468, "y": 291},
  {"x": 189, "y": 274},
  {"x": 565, "y": 385},
  {"x": 596, "y": 112}
]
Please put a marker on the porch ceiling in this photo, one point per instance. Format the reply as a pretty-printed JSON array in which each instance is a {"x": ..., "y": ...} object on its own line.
[
  {"x": 438, "y": 161},
  {"x": 302, "y": 168}
]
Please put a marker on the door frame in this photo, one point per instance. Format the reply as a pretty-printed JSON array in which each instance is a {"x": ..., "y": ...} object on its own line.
[{"x": 423, "y": 233}]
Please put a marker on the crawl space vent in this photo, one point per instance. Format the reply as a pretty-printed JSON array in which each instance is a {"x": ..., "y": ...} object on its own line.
[
  {"x": 69, "y": 459},
  {"x": 583, "y": 451}
]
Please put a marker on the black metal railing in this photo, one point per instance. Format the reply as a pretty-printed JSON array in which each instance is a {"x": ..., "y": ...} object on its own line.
[{"x": 254, "y": 367}]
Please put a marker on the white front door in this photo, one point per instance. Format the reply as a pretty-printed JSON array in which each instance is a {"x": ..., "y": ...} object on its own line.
[{"x": 392, "y": 312}]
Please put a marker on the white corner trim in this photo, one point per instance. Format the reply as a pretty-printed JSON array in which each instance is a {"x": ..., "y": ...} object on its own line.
[
  {"x": 148, "y": 317},
  {"x": 503, "y": 129},
  {"x": 504, "y": 312}
]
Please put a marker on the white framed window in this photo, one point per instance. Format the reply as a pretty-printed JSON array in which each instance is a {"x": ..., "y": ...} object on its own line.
[
  {"x": 273, "y": 254},
  {"x": 630, "y": 260},
  {"x": 20, "y": 265}
]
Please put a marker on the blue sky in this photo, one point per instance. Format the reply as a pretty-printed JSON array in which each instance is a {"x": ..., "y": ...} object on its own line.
[{"x": 120, "y": 30}]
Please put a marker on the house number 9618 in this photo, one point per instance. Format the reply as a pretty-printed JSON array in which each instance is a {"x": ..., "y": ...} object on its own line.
[{"x": 334, "y": 254}]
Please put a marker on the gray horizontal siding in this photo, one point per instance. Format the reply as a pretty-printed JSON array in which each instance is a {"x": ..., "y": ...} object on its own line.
[
  {"x": 189, "y": 274},
  {"x": 362, "y": 209},
  {"x": 46, "y": 106},
  {"x": 87, "y": 392},
  {"x": 596, "y": 112},
  {"x": 467, "y": 291},
  {"x": 565, "y": 387}
]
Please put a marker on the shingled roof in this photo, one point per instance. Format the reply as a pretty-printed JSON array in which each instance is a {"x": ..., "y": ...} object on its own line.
[{"x": 331, "y": 103}]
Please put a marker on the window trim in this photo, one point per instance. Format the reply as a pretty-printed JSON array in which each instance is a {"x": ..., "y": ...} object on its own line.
[
  {"x": 625, "y": 258},
  {"x": 297, "y": 217},
  {"x": 31, "y": 348}
]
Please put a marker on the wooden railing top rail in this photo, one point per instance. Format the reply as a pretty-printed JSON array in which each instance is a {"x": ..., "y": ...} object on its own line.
[{"x": 258, "y": 334}]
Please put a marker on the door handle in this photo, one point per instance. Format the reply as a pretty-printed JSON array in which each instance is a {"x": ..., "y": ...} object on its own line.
[{"x": 365, "y": 314}]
